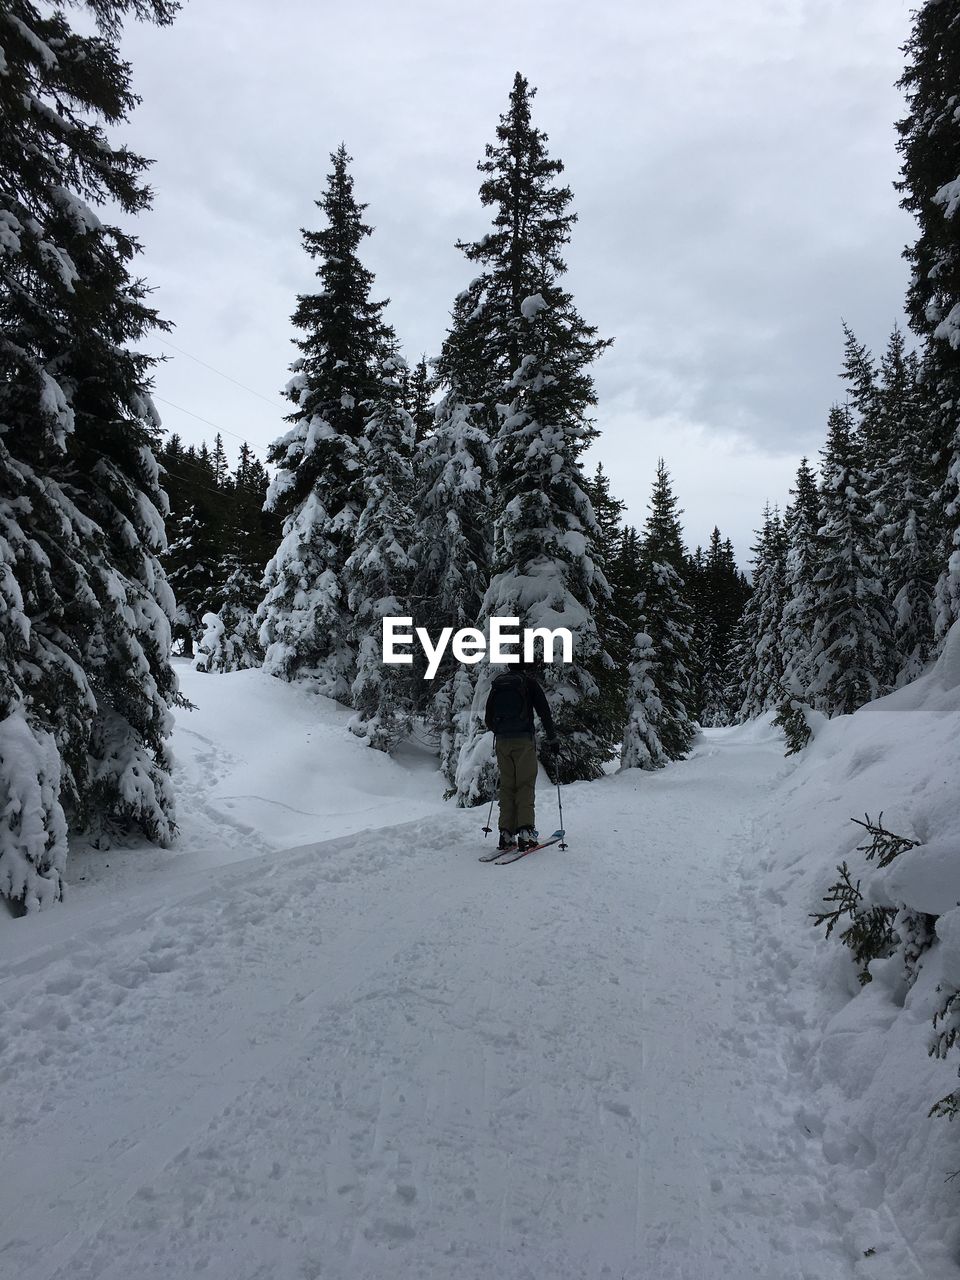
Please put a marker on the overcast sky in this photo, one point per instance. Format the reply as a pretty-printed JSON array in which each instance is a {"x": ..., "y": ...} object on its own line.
[{"x": 732, "y": 166}]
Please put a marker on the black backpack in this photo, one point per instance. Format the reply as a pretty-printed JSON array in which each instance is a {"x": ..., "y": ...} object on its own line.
[{"x": 510, "y": 711}]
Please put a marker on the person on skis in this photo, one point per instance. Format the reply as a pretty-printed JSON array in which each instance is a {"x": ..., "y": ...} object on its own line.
[{"x": 514, "y": 696}]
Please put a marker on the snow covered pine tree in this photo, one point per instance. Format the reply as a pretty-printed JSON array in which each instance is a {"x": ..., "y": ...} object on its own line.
[
  {"x": 451, "y": 552},
  {"x": 537, "y": 351},
  {"x": 930, "y": 144},
  {"x": 85, "y": 678},
  {"x": 660, "y": 726},
  {"x": 306, "y": 627},
  {"x": 718, "y": 591},
  {"x": 378, "y": 571},
  {"x": 851, "y": 650},
  {"x": 759, "y": 640},
  {"x": 902, "y": 487},
  {"x": 800, "y": 526}
]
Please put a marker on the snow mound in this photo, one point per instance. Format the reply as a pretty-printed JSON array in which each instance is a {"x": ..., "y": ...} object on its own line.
[
  {"x": 864, "y": 1050},
  {"x": 261, "y": 765},
  {"x": 750, "y": 733}
]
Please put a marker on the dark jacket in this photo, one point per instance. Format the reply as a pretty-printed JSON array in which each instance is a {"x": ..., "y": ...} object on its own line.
[{"x": 538, "y": 702}]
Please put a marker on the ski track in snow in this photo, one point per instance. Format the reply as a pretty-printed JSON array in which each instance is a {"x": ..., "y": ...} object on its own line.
[{"x": 375, "y": 1057}]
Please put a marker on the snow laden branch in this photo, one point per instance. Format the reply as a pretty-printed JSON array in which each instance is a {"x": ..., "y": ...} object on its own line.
[
  {"x": 876, "y": 930},
  {"x": 884, "y": 845}
]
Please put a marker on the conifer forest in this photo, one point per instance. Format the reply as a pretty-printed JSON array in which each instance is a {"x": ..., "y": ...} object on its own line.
[{"x": 450, "y": 491}]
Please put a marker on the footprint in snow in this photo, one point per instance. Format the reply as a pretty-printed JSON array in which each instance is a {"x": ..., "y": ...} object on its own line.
[{"x": 619, "y": 1109}]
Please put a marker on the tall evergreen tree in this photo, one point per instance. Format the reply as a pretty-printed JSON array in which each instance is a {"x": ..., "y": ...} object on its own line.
[
  {"x": 457, "y": 467},
  {"x": 419, "y": 387},
  {"x": 454, "y": 471},
  {"x": 660, "y": 724},
  {"x": 929, "y": 144},
  {"x": 625, "y": 574},
  {"x": 536, "y": 351},
  {"x": 379, "y": 570},
  {"x": 218, "y": 463},
  {"x": 612, "y": 626},
  {"x": 863, "y": 397},
  {"x": 851, "y": 657},
  {"x": 86, "y": 684},
  {"x": 760, "y": 644},
  {"x": 317, "y": 489},
  {"x": 719, "y": 593},
  {"x": 694, "y": 577},
  {"x": 903, "y": 502},
  {"x": 801, "y": 525}
]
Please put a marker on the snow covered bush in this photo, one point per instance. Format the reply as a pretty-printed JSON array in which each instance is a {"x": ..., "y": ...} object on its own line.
[
  {"x": 793, "y": 717},
  {"x": 231, "y": 637},
  {"x": 642, "y": 748},
  {"x": 230, "y": 641},
  {"x": 211, "y": 646}
]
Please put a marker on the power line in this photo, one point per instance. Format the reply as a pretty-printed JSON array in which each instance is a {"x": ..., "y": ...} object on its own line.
[
  {"x": 217, "y": 493},
  {"x": 224, "y": 430},
  {"x": 167, "y": 343}
]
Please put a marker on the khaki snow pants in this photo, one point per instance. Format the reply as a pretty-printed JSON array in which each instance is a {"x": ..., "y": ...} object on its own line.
[{"x": 517, "y": 758}]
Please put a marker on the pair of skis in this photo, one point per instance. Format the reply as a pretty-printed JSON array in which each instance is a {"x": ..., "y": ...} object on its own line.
[{"x": 502, "y": 857}]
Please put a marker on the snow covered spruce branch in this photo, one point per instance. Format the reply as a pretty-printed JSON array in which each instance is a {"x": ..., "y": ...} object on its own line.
[
  {"x": 884, "y": 845},
  {"x": 869, "y": 934},
  {"x": 946, "y": 1029},
  {"x": 876, "y": 931}
]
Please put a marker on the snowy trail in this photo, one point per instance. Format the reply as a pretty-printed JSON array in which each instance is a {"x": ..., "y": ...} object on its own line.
[{"x": 377, "y": 1057}]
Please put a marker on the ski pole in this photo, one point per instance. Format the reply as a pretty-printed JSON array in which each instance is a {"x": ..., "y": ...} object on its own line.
[
  {"x": 487, "y": 829},
  {"x": 563, "y": 843},
  {"x": 556, "y": 765}
]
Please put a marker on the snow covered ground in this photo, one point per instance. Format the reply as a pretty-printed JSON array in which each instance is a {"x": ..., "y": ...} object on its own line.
[
  {"x": 863, "y": 1052},
  {"x": 321, "y": 1040}
]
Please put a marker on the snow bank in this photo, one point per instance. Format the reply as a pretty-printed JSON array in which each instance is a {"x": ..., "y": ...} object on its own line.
[
  {"x": 260, "y": 766},
  {"x": 865, "y": 1050}
]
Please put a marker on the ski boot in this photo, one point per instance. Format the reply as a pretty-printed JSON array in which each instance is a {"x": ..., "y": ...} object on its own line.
[
  {"x": 527, "y": 837},
  {"x": 507, "y": 842}
]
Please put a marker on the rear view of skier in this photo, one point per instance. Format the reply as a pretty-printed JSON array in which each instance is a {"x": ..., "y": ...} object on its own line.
[{"x": 514, "y": 697}]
